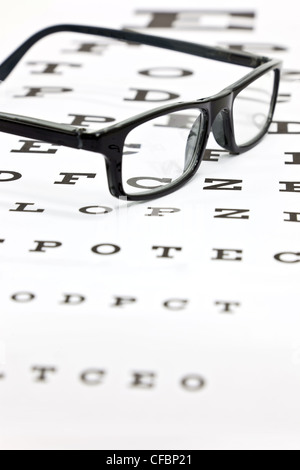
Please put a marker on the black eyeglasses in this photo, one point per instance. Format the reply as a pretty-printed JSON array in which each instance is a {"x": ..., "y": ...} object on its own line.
[{"x": 145, "y": 158}]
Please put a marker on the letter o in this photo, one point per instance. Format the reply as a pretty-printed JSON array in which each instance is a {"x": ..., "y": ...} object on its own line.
[
  {"x": 172, "y": 72},
  {"x": 92, "y": 376},
  {"x": 175, "y": 304},
  {"x": 23, "y": 297},
  {"x": 115, "y": 249},
  {"x": 104, "y": 210},
  {"x": 193, "y": 383}
]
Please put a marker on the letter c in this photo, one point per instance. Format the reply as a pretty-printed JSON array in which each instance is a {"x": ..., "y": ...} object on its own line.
[
  {"x": 279, "y": 257},
  {"x": 134, "y": 182}
]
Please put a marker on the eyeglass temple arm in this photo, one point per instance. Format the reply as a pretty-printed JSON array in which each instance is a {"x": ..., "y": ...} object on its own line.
[
  {"x": 214, "y": 53},
  {"x": 50, "y": 132}
]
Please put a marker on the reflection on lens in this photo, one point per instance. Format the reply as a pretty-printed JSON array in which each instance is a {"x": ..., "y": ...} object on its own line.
[
  {"x": 161, "y": 151},
  {"x": 251, "y": 109},
  {"x": 259, "y": 121}
]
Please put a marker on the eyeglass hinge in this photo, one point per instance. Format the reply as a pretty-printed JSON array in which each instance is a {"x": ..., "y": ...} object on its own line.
[{"x": 88, "y": 140}]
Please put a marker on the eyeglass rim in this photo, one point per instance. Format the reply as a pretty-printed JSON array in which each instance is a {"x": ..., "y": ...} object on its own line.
[
  {"x": 215, "y": 53},
  {"x": 211, "y": 107},
  {"x": 97, "y": 141}
]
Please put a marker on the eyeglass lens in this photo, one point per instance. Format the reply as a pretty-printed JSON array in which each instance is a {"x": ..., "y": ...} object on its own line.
[
  {"x": 251, "y": 109},
  {"x": 161, "y": 151}
]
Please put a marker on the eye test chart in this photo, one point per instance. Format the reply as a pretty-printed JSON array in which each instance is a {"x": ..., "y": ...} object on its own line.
[{"x": 166, "y": 324}]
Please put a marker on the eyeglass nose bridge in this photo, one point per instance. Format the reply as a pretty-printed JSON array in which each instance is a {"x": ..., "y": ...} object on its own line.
[{"x": 222, "y": 128}]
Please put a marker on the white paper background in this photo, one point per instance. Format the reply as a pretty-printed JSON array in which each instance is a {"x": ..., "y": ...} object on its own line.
[{"x": 250, "y": 359}]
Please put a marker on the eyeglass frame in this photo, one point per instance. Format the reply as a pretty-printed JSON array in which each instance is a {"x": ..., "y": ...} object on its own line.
[{"x": 110, "y": 141}]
